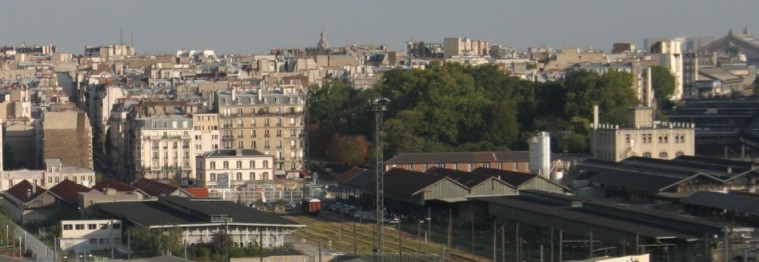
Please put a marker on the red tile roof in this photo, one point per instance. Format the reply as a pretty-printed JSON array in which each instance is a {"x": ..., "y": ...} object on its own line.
[
  {"x": 155, "y": 188},
  {"x": 349, "y": 174},
  {"x": 110, "y": 183},
  {"x": 197, "y": 192},
  {"x": 21, "y": 191},
  {"x": 68, "y": 190}
]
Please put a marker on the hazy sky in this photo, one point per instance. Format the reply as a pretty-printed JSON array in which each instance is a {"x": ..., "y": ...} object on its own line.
[{"x": 255, "y": 26}]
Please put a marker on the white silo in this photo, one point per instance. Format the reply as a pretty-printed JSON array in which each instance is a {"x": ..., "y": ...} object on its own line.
[{"x": 540, "y": 154}]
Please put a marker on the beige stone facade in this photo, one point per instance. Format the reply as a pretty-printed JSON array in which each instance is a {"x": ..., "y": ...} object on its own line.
[
  {"x": 206, "y": 132},
  {"x": 162, "y": 147},
  {"x": 643, "y": 137},
  {"x": 269, "y": 121},
  {"x": 234, "y": 167}
]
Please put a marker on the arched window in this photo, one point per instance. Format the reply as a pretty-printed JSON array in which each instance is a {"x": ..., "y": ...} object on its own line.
[
  {"x": 663, "y": 155},
  {"x": 266, "y": 175},
  {"x": 212, "y": 177},
  {"x": 238, "y": 176},
  {"x": 679, "y": 153},
  {"x": 226, "y": 165},
  {"x": 239, "y": 164},
  {"x": 647, "y": 154},
  {"x": 213, "y": 164},
  {"x": 252, "y": 176}
]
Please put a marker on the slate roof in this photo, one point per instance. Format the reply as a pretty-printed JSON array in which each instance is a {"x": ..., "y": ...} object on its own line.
[
  {"x": 68, "y": 190},
  {"x": 175, "y": 210},
  {"x": 221, "y": 153},
  {"x": 513, "y": 178},
  {"x": 409, "y": 182},
  {"x": 155, "y": 188},
  {"x": 731, "y": 202},
  {"x": 468, "y": 179},
  {"x": 20, "y": 191},
  {"x": 110, "y": 183},
  {"x": 460, "y": 157}
]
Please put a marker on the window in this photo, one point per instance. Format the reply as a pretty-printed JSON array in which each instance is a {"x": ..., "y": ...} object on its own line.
[
  {"x": 92, "y": 226},
  {"x": 239, "y": 164},
  {"x": 679, "y": 153},
  {"x": 663, "y": 155},
  {"x": 103, "y": 226},
  {"x": 664, "y": 139},
  {"x": 252, "y": 164},
  {"x": 647, "y": 154},
  {"x": 238, "y": 176},
  {"x": 68, "y": 227},
  {"x": 226, "y": 165},
  {"x": 647, "y": 138},
  {"x": 116, "y": 226},
  {"x": 252, "y": 176},
  {"x": 627, "y": 139},
  {"x": 79, "y": 226},
  {"x": 212, "y": 177},
  {"x": 93, "y": 241},
  {"x": 266, "y": 164},
  {"x": 213, "y": 165}
]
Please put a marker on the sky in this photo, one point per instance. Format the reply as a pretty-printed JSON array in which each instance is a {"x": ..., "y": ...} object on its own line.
[{"x": 256, "y": 26}]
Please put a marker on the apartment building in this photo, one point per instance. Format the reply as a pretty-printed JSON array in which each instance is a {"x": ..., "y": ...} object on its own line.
[
  {"x": 206, "y": 127},
  {"x": 227, "y": 168},
  {"x": 267, "y": 120},
  {"x": 161, "y": 147},
  {"x": 67, "y": 135},
  {"x": 461, "y": 46}
]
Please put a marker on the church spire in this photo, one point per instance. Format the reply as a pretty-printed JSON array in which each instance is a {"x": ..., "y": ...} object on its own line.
[{"x": 323, "y": 45}]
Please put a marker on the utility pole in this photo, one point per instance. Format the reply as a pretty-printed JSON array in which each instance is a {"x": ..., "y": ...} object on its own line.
[{"x": 379, "y": 106}]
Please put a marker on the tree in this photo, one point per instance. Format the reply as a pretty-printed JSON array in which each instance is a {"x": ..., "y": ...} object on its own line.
[
  {"x": 220, "y": 241},
  {"x": 663, "y": 84},
  {"x": 348, "y": 150},
  {"x": 612, "y": 92}
]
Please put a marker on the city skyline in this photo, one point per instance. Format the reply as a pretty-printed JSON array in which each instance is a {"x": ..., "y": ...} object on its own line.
[{"x": 256, "y": 27}]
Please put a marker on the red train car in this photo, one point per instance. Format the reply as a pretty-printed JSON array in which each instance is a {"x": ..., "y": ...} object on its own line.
[{"x": 311, "y": 206}]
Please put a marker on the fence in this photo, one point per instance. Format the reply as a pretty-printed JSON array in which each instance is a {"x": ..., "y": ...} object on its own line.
[
  {"x": 30, "y": 244},
  {"x": 388, "y": 257}
]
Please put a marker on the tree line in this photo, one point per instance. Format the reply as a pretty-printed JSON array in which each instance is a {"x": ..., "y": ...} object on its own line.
[{"x": 454, "y": 107}]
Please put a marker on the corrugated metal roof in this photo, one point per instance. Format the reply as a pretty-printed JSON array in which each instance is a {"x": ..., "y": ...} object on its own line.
[
  {"x": 468, "y": 179},
  {"x": 731, "y": 202},
  {"x": 409, "y": 182},
  {"x": 513, "y": 178}
]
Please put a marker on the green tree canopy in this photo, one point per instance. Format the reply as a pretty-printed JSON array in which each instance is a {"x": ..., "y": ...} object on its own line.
[
  {"x": 663, "y": 83},
  {"x": 456, "y": 107}
]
